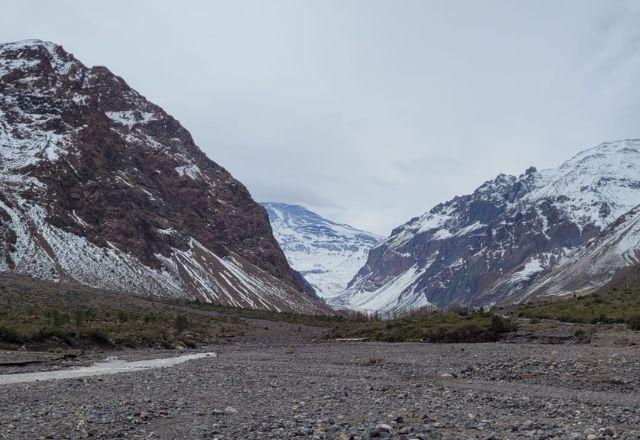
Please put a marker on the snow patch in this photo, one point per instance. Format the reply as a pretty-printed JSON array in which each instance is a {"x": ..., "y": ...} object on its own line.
[{"x": 130, "y": 117}]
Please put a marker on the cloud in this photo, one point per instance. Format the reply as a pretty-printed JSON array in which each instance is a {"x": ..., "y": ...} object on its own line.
[{"x": 369, "y": 112}]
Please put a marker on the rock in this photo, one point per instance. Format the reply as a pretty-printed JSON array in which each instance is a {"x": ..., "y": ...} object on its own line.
[{"x": 607, "y": 431}]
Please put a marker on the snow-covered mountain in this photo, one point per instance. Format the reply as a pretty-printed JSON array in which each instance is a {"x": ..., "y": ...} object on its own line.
[
  {"x": 485, "y": 247},
  {"x": 101, "y": 187},
  {"x": 327, "y": 254}
]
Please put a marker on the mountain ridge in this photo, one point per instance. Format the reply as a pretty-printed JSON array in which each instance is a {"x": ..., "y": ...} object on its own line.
[{"x": 481, "y": 248}]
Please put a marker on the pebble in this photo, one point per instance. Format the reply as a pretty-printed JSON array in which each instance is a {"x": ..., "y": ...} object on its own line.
[{"x": 325, "y": 390}]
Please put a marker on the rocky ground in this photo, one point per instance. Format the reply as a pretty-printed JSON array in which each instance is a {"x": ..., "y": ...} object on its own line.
[{"x": 285, "y": 381}]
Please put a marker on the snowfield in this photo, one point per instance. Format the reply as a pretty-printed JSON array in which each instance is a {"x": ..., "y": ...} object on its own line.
[{"x": 327, "y": 254}]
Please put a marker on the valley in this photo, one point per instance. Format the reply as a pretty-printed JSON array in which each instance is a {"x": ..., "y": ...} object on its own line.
[
  {"x": 283, "y": 375},
  {"x": 144, "y": 293}
]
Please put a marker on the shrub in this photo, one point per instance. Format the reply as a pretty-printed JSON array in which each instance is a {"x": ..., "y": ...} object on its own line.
[
  {"x": 100, "y": 337},
  {"x": 582, "y": 337},
  {"x": 58, "y": 319},
  {"x": 82, "y": 316},
  {"x": 11, "y": 336},
  {"x": 500, "y": 325},
  {"x": 634, "y": 323},
  {"x": 149, "y": 317},
  {"x": 181, "y": 323}
]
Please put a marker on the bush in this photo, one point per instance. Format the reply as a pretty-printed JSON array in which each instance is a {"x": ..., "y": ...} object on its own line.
[
  {"x": 100, "y": 337},
  {"x": 582, "y": 336},
  {"x": 82, "y": 316},
  {"x": 634, "y": 323},
  {"x": 10, "y": 336},
  {"x": 58, "y": 319},
  {"x": 499, "y": 325},
  {"x": 181, "y": 323}
]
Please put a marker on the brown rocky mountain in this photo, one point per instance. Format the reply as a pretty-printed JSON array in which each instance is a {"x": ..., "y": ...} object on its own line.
[{"x": 101, "y": 187}]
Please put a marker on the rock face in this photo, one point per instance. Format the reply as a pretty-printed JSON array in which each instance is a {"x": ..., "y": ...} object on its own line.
[
  {"x": 102, "y": 187},
  {"x": 595, "y": 264},
  {"x": 483, "y": 248},
  {"x": 327, "y": 254}
]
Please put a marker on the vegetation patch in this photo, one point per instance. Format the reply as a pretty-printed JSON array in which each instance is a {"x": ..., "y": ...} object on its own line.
[
  {"x": 268, "y": 315},
  {"x": 614, "y": 306},
  {"x": 458, "y": 326},
  {"x": 42, "y": 316}
]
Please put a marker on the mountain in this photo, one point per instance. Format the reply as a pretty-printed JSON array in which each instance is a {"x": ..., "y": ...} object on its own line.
[
  {"x": 483, "y": 248},
  {"x": 327, "y": 254},
  {"x": 101, "y": 187},
  {"x": 596, "y": 263}
]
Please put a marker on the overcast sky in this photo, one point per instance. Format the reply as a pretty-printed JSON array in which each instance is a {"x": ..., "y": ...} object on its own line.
[{"x": 368, "y": 112}]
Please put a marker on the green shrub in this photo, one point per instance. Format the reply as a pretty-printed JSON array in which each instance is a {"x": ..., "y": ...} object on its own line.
[
  {"x": 57, "y": 318},
  {"x": 181, "y": 323},
  {"x": 634, "y": 323},
  {"x": 10, "y": 336}
]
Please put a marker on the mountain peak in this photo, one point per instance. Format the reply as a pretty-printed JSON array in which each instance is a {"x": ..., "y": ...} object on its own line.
[
  {"x": 287, "y": 207},
  {"x": 29, "y": 56},
  {"x": 327, "y": 254},
  {"x": 611, "y": 150},
  {"x": 27, "y": 43}
]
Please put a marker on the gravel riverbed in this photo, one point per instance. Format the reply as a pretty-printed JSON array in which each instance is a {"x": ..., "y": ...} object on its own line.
[{"x": 300, "y": 387}]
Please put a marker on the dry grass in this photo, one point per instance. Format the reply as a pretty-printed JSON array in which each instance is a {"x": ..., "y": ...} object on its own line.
[{"x": 375, "y": 360}]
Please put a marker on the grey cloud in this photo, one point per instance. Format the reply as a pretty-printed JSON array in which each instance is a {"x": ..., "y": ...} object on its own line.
[{"x": 372, "y": 111}]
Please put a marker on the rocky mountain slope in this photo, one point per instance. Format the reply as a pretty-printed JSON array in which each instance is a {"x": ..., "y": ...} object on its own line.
[
  {"x": 327, "y": 254},
  {"x": 596, "y": 263},
  {"x": 484, "y": 247},
  {"x": 101, "y": 187}
]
